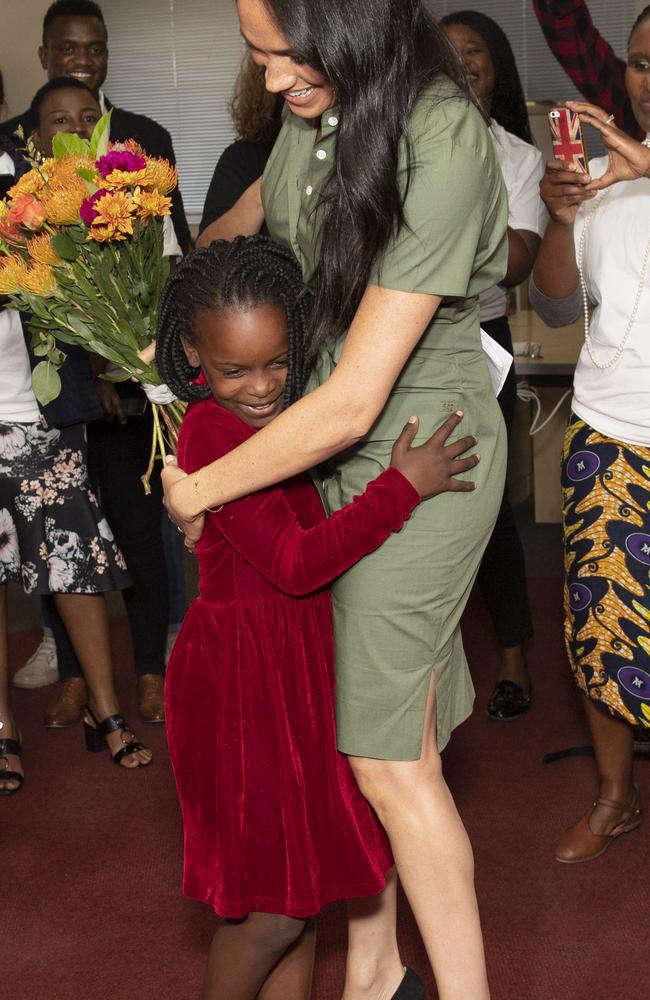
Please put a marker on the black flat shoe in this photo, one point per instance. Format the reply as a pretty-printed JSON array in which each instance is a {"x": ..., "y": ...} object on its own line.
[
  {"x": 10, "y": 747},
  {"x": 509, "y": 701},
  {"x": 411, "y": 988}
]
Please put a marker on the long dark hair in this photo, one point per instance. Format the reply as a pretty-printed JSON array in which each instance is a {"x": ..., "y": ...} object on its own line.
[
  {"x": 640, "y": 19},
  {"x": 508, "y": 101},
  {"x": 251, "y": 271},
  {"x": 379, "y": 55}
]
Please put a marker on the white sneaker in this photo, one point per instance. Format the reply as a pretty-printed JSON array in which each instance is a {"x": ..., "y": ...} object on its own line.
[{"x": 41, "y": 668}]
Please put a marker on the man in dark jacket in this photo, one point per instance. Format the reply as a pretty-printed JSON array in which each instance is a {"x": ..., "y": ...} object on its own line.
[{"x": 75, "y": 44}]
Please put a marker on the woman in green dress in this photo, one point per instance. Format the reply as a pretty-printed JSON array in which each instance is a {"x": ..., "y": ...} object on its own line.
[{"x": 385, "y": 185}]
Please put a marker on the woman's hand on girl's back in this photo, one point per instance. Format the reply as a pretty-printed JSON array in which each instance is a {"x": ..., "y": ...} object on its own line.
[{"x": 432, "y": 466}]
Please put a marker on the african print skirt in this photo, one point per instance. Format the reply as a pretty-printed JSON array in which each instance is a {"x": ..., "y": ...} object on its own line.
[
  {"x": 54, "y": 538},
  {"x": 606, "y": 512}
]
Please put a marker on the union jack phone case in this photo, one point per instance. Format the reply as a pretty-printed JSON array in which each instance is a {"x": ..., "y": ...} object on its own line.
[{"x": 566, "y": 136}]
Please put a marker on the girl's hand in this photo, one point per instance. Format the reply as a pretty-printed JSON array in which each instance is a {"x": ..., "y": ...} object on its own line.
[
  {"x": 430, "y": 468},
  {"x": 563, "y": 189},
  {"x": 628, "y": 159},
  {"x": 148, "y": 353},
  {"x": 192, "y": 528}
]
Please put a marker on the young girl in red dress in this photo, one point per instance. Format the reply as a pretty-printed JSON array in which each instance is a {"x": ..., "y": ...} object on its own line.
[{"x": 275, "y": 826}]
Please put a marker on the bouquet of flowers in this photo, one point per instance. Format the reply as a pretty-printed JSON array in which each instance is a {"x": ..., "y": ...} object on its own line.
[{"x": 81, "y": 251}]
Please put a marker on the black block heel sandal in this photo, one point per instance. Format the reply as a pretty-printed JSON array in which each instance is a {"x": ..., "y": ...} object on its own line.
[
  {"x": 10, "y": 747},
  {"x": 411, "y": 987},
  {"x": 96, "y": 733}
]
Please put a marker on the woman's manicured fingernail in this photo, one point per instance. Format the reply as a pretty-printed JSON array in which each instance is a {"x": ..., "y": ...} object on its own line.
[
  {"x": 412, "y": 420},
  {"x": 459, "y": 413}
]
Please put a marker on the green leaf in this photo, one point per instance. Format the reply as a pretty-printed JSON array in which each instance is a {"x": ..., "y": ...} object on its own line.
[
  {"x": 79, "y": 327},
  {"x": 89, "y": 176},
  {"x": 45, "y": 382},
  {"x": 77, "y": 233},
  {"x": 42, "y": 344},
  {"x": 98, "y": 144},
  {"x": 116, "y": 376},
  {"x": 68, "y": 144},
  {"x": 64, "y": 245}
]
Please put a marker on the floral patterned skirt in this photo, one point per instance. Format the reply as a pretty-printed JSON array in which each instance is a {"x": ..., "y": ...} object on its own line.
[
  {"x": 53, "y": 536},
  {"x": 606, "y": 512}
]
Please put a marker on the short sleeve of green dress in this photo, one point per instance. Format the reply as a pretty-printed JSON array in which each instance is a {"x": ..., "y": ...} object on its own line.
[{"x": 397, "y": 612}]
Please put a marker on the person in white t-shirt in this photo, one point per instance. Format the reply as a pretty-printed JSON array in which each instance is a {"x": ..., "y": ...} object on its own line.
[
  {"x": 491, "y": 66},
  {"x": 595, "y": 259}
]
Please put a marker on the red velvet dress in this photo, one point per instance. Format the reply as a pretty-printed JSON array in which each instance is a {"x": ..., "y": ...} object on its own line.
[{"x": 272, "y": 816}]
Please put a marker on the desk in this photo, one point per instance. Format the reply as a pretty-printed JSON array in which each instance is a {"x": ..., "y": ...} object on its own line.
[
  {"x": 560, "y": 347},
  {"x": 552, "y": 374}
]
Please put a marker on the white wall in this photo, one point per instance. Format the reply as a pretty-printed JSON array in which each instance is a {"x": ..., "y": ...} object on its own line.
[{"x": 20, "y": 35}]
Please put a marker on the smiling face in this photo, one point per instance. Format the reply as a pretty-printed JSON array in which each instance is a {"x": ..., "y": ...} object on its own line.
[
  {"x": 243, "y": 354},
  {"x": 478, "y": 62},
  {"x": 76, "y": 46},
  {"x": 69, "y": 109},
  {"x": 306, "y": 91},
  {"x": 637, "y": 75}
]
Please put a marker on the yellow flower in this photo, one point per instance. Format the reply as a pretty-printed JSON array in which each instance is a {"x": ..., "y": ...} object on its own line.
[
  {"x": 160, "y": 175},
  {"x": 62, "y": 204},
  {"x": 118, "y": 179},
  {"x": 105, "y": 234},
  {"x": 12, "y": 271},
  {"x": 29, "y": 183},
  {"x": 114, "y": 219},
  {"x": 63, "y": 173},
  {"x": 41, "y": 250},
  {"x": 38, "y": 280},
  {"x": 151, "y": 203},
  {"x": 4, "y": 208}
]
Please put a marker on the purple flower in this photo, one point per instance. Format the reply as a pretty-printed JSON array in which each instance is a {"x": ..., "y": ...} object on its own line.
[
  {"x": 120, "y": 160},
  {"x": 87, "y": 210}
]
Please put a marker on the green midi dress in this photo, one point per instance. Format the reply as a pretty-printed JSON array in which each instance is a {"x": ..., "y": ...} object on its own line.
[{"x": 397, "y": 612}]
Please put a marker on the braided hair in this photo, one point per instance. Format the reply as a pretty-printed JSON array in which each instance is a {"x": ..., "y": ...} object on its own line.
[{"x": 251, "y": 271}]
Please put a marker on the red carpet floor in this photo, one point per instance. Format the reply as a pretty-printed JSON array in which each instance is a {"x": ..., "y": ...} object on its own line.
[{"x": 91, "y": 856}]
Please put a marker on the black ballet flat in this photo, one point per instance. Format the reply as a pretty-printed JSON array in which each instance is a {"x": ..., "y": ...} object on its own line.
[
  {"x": 10, "y": 747},
  {"x": 411, "y": 988},
  {"x": 509, "y": 701},
  {"x": 96, "y": 733}
]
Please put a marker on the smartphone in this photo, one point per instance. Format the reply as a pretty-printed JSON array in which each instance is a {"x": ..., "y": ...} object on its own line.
[{"x": 566, "y": 136}]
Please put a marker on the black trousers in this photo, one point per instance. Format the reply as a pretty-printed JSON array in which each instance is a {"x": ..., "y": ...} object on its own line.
[
  {"x": 117, "y": 457},
  {"x": 502, "y": 574}
]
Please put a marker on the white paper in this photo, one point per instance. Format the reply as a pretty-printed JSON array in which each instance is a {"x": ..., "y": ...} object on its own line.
[{"x": 498, "y": 361}]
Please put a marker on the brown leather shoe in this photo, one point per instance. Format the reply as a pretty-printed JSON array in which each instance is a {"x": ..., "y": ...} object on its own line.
[
  {"x": 69, "y": 706},
  {"x": 151, "y": 703},
  {"x": 580, "y": 843}
]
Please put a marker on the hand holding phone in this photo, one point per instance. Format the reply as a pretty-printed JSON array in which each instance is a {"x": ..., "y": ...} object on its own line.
[{"x": 566, "y": 136}]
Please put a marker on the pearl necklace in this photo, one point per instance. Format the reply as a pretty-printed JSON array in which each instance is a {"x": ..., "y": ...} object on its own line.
[{"x": 616, "y": 357}]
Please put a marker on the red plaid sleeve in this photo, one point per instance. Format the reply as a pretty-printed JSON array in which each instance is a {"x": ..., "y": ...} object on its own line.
[{"x": 586, "y": 58}]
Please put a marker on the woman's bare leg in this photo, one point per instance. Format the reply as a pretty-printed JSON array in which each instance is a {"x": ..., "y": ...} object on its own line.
[
  {"x": 433, "y": 858},
  {"x": 244, "y": 953},
  {"x": 373, "y": 969},
  {"x": 86, "y": 620},
  {"x": 8, "y": 729},
  {"x": 613, "y": 743}
]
